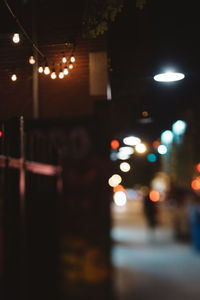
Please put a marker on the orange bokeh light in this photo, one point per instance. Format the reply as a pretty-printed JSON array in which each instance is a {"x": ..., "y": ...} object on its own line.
[
  {"x": 114, "y": 144},
  {"x": 119, "y": 188},
  {"x": 1, "y": 133},
  {"x": 154, "y": 195},
  {"x": 196, "y": 184},
  {"x": 198, "y": 167}
]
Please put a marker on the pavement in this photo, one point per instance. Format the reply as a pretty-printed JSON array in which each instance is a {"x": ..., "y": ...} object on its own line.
[{"x": 151, "y": 265}]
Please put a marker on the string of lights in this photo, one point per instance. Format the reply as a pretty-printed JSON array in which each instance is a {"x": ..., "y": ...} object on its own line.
[{"x": 64, "y": 65}]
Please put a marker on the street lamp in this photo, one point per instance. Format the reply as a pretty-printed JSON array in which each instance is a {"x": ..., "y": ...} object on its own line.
[{"x": 169, "y": 76}]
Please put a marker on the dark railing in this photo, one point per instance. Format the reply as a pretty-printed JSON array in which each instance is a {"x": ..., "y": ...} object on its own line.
[{"x": 56, "y": 209}]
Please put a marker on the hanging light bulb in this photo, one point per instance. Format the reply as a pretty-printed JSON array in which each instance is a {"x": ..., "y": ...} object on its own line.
[
  {"x": 46, "y": 69},
  {"x": 16, "y": 38},
  {"x": 72, "y": 59},
  {"x": 61, "y": 74},
  {"x": 70, "y": 66},
  {"x": 31, "y": 60},
  {"x": 66, "y": 72},
  {"x": 64, "y": 59},
  {"x": 53, "y": 74},
  {"x": 40, "y": 69},
  {"x": 14, "y": 77}
]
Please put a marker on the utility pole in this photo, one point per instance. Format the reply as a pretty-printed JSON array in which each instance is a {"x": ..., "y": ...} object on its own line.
[{"x": 35, "y": 89}]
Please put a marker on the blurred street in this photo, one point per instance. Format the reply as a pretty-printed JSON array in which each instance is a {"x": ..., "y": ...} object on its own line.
[{"x": 151, "y": 266}]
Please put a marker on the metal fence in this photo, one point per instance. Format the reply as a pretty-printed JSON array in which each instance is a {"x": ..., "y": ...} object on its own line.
[{"x": 56, "y": 209}]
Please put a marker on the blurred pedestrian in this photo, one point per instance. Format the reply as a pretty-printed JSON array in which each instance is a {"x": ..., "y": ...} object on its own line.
[{"x": 151, "y": 213}]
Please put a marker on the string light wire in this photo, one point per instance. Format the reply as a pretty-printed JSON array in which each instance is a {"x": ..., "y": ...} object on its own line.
[{"x": 67, "y": 44}]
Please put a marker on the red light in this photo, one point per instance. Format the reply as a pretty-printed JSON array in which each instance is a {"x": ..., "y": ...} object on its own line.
[
  {"x": 198, "y": 167},
  {"x": 156, "y": 144},
  {"x": 154, "y": 195},
  {"x": 1, "y": 133},
  {"x": 114, "y": 144}
]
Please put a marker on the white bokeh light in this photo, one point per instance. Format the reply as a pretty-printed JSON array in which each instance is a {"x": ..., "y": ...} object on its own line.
[
  {"x": 141, "y": 148},
  {"x": 167, "y": 137},
  {"x": 120, "y": 198},
  {"x": 131, "y": 140},
  {"x": 179, "y": 127},
  {"x": 126, "y": 150},
  {"x": 114, "y": 180},
  {"x": 162, "y": 149},
  {"x": 125, "y": 167},
  {"x": 122, "y": 156}
]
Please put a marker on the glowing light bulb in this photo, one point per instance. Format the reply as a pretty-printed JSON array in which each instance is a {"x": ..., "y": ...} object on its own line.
[
  {"x": 64, "y": 59},
  {"x": 14, "y": 77},
  {"x": 53, "y": 75},
  {"x": 70, "y": 66},
  {"x": 40, "y": 69},
  {"x": 16, "y": 38},
  {"x": 72, "y": 59},
  {"x": 66, "y": 72},
  {"x": 46, "y": 70},
  {"x": 61, "y": 75},
  {"x": 31, "y": 60}
]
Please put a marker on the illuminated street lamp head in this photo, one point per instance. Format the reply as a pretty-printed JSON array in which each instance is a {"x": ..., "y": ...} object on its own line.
[{"x": 169, "y": 76}]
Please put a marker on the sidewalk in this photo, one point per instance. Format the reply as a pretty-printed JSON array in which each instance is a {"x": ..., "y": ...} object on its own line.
[{"x": 157, "y": 268}]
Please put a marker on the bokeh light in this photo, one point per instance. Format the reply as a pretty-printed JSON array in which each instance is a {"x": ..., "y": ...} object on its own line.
[
  {"x": 156, "y": 144},
  {"x": 113, "y": 156},
  {"x": 114, "y": 180},
  {"x": 126, "y": 150},
  {"x": 125, "y": 167},
  {"x": 151, "y": 157},
  {"x": 167, "y": 137},
  {"x": 179, "y": 127},
  {"x": 131, "y": 140},
  {"x": 196, "y": 184},
  {"x": 114, "y": 144},
  {"x": 120, "y": 198},
  {"x": 198, "y": 167},
  {"x": 154, "y": 195},
  {"x": 118, "y": 188},
  {"x": 141, "y": 148},
  {"x": 123, "y": 156},
  {"x": 162, "y": 149}
]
